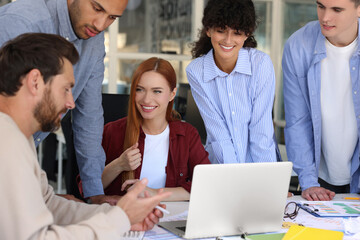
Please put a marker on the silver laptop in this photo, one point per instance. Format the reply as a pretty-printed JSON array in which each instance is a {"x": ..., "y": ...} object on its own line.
[{"x": 233, "y": 199}]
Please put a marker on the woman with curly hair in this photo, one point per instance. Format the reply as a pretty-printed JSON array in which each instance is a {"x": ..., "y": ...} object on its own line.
[{"x": 233, "y": 85}]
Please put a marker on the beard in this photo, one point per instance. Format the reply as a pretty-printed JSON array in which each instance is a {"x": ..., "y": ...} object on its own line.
[
  {"x": 45, "y": 113},
  {"x": 75, "y": 17}
]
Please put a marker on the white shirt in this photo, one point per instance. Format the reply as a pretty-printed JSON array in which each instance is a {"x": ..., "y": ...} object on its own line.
[
  {"x": 339, "y": 129},
  {"x": 156, "y": 151}
]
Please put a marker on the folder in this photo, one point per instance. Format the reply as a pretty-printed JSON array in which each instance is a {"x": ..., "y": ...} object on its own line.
[
  {"x": 271, "y": 236},
  {"x": 301, "y": 233}
]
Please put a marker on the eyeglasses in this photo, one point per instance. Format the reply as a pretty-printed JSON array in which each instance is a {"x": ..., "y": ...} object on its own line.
[{"x": 291, "y": 210}]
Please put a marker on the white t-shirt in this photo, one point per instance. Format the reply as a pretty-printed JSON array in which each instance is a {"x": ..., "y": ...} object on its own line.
[
  {"x": 339, "y": 128},
  {"x": 155, "y": 158}
]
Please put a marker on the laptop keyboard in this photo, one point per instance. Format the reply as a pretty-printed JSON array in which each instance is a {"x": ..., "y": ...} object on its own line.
[{"x": 181, "y": 228}]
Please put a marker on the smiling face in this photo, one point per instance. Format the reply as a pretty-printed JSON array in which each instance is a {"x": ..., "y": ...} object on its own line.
[
  {"x": 226, "y": 44},
  {"x": 338, "y": 20},
  {"x": 90, "y": 17},
  {"x": 56, "y": 99},
  {"x": 153, "y": 95}
]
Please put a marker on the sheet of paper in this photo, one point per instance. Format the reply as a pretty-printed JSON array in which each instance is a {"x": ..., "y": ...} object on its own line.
[
  {"x": 332, "y": 208},
  {"x": 177, "y": 217},
  {"x": 309, "y": 220}
]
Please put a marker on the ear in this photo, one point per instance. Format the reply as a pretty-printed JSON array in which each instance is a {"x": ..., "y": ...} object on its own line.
[
  {"x": 208, "y": 33},
  {"x": 173, "y": 94},
  {"x": 34, "y": 82},
  {"x": 358, "y": 10}
]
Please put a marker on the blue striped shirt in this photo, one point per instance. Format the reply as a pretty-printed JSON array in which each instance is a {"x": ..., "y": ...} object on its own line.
[{"x": 236, "y": 107}]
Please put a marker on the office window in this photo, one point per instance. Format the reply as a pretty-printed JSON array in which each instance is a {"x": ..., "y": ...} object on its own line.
[
  {"x": 263, "y": 31},
  {"x": 149, "y": 28},
  {"x": 296, "y": 15}
]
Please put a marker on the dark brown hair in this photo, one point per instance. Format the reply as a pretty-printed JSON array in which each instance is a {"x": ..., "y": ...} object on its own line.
[{"x": 28, "y": 51}]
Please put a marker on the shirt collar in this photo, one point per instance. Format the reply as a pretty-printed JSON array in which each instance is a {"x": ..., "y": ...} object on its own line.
[
  {"x": 176, "y": 129},
  {"x": 243, "y": 65},
  {"x": 320, "y": 43},
  {"x": 65, "y": 27}
]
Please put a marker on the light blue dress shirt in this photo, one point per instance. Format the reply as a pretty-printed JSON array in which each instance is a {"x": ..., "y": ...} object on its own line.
[
  {"x": 236, "y": 107},
  {"x": 51, "y": 16},
  {"x": 301, "y": 63}
]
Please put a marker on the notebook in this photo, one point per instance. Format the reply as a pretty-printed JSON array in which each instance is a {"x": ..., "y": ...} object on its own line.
[
  {"x": 300, "y": 233},
  {"x": 233, "y": 199}
]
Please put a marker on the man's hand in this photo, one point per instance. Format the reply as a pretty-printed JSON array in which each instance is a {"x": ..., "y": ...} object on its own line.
[
  {"x": 140, "y": 211},
  {"x": 150, "y": 221},
  {"x": 317, "y": 194},
  {"x": 100, "y": 199}
]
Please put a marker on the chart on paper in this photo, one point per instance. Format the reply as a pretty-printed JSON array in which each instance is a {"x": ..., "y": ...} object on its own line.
[{"x": 332, "y": 208}]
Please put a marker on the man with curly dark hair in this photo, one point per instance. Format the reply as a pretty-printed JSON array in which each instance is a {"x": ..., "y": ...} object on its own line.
[{"x": 233, "y": 85}]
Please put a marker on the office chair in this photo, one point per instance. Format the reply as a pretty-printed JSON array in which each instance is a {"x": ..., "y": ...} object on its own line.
[
  {"x": 192, "y": 116},
  {"x": 115, "y": 107}
]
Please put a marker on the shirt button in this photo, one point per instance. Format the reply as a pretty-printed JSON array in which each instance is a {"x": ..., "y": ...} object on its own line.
[
  {"x": 229, "y": 94},
  {"x": 38, "y": 139},
  {"x": 355, "y": 92},
  {"x": 181, "y": 174},
  {"x": 233, "y": 113},
  {"x": 353, "y": 68},
  {"x": 67, "y": 38},
  {"x": 235, "y": 129}
]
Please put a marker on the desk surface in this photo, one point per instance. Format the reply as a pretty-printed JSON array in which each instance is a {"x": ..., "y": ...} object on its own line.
[
  {"x": 338, "y": 197},
  {"x": 176, "y": 208}
]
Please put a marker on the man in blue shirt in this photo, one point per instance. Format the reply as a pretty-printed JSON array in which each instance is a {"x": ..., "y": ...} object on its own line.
[
  {"x": 81, "y": 22},
  {"x": 322, "y": 107}
]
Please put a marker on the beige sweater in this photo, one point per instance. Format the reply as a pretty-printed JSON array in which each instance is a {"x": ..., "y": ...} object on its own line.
[{"x": 29, "y": 209}]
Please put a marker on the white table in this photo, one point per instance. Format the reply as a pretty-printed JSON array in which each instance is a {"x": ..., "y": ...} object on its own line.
[{"x": 176, "y": 208}]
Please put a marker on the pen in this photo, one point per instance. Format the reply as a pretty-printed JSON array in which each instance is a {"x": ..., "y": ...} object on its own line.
[
  {"x": 162, "y": 209},
  {"x": 352, "y": 198}
]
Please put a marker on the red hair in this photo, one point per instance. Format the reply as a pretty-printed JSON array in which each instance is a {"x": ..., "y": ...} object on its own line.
[{"x": 134, "y": 118}]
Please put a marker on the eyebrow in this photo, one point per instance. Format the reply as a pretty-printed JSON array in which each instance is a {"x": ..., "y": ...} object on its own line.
[
  {"x": 103, "y": 9},
  {"x": 319, "y": 3},
  {"x": 335, "y": 8},
  {"x": 139, "y": 86}
]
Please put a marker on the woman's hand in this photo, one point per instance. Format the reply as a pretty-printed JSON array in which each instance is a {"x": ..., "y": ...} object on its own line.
[
  {"x": 130, "y": 159},
  {"x": 128, "y": 185}
]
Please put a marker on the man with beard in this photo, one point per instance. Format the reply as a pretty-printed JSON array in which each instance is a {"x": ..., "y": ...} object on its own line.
[
  {"x": 36, "y": 78},
  {"x": 81, "y": 22}
]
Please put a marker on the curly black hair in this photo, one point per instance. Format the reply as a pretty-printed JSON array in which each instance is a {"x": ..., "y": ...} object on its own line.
[{"x": 235, "y": 14}]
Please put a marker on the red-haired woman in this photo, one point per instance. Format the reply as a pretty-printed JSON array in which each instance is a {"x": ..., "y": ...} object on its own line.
[{"x": 151, "y": 141}]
